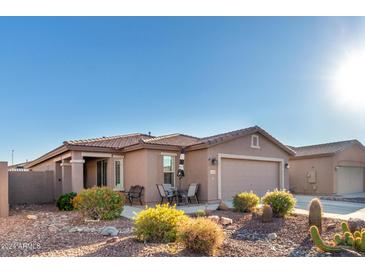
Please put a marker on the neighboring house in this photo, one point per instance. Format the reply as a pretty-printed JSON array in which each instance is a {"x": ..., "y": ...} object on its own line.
[
  {"x": 224, "y": 164},
  {"x": 333, "y": 168},
  {"x": 18, "y": 167}
]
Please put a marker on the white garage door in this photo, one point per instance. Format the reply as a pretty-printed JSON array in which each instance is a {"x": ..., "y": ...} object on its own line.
[
  {"x": 350, "y": 180},
  {"x": 246, "y": 175}
]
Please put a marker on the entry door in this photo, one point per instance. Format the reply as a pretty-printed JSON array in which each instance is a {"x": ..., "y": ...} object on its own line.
[{"x": 102, "y": 173}]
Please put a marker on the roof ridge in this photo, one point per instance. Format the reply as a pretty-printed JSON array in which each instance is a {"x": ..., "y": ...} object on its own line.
[
  {"x": 105, "y": 138},
  {"x": 169, "y": 136},
  {"x": 329, "y": 143},
  {"x": 230, "y": 132}
]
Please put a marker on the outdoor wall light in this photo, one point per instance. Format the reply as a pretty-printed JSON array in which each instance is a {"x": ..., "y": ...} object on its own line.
[
  {"x": 287, "y": 166},
  {"x": 213, "y": 160}
]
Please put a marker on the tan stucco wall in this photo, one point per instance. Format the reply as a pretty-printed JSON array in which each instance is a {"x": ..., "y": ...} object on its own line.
[
  {"x": 242, "y": 146},
  {"x": 4, "y": 187},
  {"x": 31, "y": 187},
  {"x": 324, "y": 168},
  {"x": 196, "y": 171},
  {"x": 135, "y": 169}
]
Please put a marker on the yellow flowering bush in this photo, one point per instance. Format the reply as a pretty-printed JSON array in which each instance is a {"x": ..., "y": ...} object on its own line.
[
  {"x": 159, "y": 224},
  {"x": 245, "y": 202},
  {"x": 99, "y": 203}
]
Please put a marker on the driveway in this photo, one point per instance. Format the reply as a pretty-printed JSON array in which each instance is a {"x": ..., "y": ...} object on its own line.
[{"x": 335, "y": 209}]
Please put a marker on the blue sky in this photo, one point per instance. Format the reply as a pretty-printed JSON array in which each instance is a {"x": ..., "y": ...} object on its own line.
[{"x": 73, "y": 78}]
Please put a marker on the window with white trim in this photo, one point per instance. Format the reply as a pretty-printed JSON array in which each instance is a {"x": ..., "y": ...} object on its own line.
[
  {"x": 255, "y": 141},
  {"x": 119, "y": 184},
  {"x": 168, "y": 169}
]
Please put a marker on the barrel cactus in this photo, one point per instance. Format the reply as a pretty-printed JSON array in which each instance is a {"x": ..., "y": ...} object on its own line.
[
  {"x": 360, "y": 242},
  {"x": 315, "y": 213},
  {"x": 266, "y": 214}
]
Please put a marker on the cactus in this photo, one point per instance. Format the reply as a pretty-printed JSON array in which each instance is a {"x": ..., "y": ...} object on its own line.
[
  {"x": 316, "y": 238},
  {"x": 339, "y": 240},
  {"x": 345, "y": 227},
  {"x": 357, "y": 234},
  {"x": 360, "y": 242},
  {"x": 349, "y": 238},
  {"x": 266, "y": 214},
  {"x": 315, "y": 214}
]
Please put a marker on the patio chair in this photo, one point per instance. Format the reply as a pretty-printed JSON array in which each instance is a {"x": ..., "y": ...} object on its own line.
[
  {"x": 191, "y": 193},
  {"x": 165, "y": 194},
  {"x": 135, "y": 193}
]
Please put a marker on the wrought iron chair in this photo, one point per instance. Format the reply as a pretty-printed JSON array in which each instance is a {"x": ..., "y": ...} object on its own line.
[{"x": 135, "y": 193}]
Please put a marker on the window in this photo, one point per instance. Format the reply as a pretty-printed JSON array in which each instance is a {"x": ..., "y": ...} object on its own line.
[
  {"x": 119, "y": 184},
  {"x": 255, "y": 142},
  {"x": 169, "y": 169},
  {"x": 101, "y": 173}
]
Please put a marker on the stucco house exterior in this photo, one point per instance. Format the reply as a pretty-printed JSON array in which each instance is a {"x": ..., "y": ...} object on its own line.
[
  {"x": 224, "y": 164},
  {"x": 332, "y": 168}
]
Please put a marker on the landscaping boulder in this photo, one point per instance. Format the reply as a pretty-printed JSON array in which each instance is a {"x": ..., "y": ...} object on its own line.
[
  {"x": 32, "y": 217},
  {"x": 214, "y": 218},
  {"x": 226, "y": 221},
  {"x": 272, "y": 236},
  {"x": 110, "y": 231},
  {"x": 222, "y": 206},
  {"x": 356, "y": 224}
]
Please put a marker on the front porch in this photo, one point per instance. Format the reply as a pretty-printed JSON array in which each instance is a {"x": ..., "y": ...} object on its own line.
[{"x": 78, "y": 170}]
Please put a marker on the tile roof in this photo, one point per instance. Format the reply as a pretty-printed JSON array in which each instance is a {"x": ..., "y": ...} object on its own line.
[
  {"x": 176, "y": 139},
  {"x": 116, "y": 142},
  {"x": 321, "y": 149}
]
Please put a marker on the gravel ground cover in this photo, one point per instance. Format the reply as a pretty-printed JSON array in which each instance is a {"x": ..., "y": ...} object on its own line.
[{"x": 42, "y": 230}]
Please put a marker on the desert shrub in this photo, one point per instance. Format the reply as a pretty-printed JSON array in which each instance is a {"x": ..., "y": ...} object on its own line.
[
  {"x": 201, "y": 236},
  {"x": 99, "y": 203},
  {"x": 245, "y": 202},
  {"x": 159, "y": 224},
  {"x": 282, "y": 202},
  {"x": 64, "y": 202}
]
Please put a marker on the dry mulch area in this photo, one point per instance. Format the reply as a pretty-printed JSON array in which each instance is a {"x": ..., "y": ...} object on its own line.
[{"x": 56, "y": 233}]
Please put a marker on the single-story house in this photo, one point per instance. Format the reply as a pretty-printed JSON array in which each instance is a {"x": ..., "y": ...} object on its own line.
[
  {"x": 224, "y": 164},
  {"x": 332, "y": 168}
]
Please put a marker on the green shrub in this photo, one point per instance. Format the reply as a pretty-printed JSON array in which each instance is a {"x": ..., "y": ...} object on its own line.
[
  {"x": 159, "y": 224},
  {"x": 200, "y": 213},
  {"x": 64, "y": 202},
  {"x": 99, "y": 203},
  {"x": 245, "y": 202},
  {"x": 201, "y": 236},
  {"x": 282, "y": 202}
]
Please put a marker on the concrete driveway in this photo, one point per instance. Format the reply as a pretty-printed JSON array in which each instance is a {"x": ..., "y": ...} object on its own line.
[{"x": 334, "y": 209}]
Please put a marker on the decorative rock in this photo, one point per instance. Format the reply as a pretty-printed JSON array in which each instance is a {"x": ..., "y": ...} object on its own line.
[
  {"x": 356, "y": 224},
  {"x": 226, "y": 221},
  {"x": 272, "y": 236},
  {"x": 222, "y": 206},
  {"x": 331, "y": 227},
  {"x": 214, "y": 218},
  {"x": 32, "y": 217},
  {"x": 52, "y": 228},
  {"x": 109, "y": 231}
]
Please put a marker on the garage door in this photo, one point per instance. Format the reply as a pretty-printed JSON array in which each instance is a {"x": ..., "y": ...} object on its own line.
[
  {"x": 350, "y": 180},
  {"x": 246, "y": 175}
]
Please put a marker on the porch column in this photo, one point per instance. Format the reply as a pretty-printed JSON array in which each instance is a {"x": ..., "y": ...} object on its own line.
[
  {"x": 66, "y": 176},
  {"x": 4, "y": 188},
  {"x": 77, "y": 171}
]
